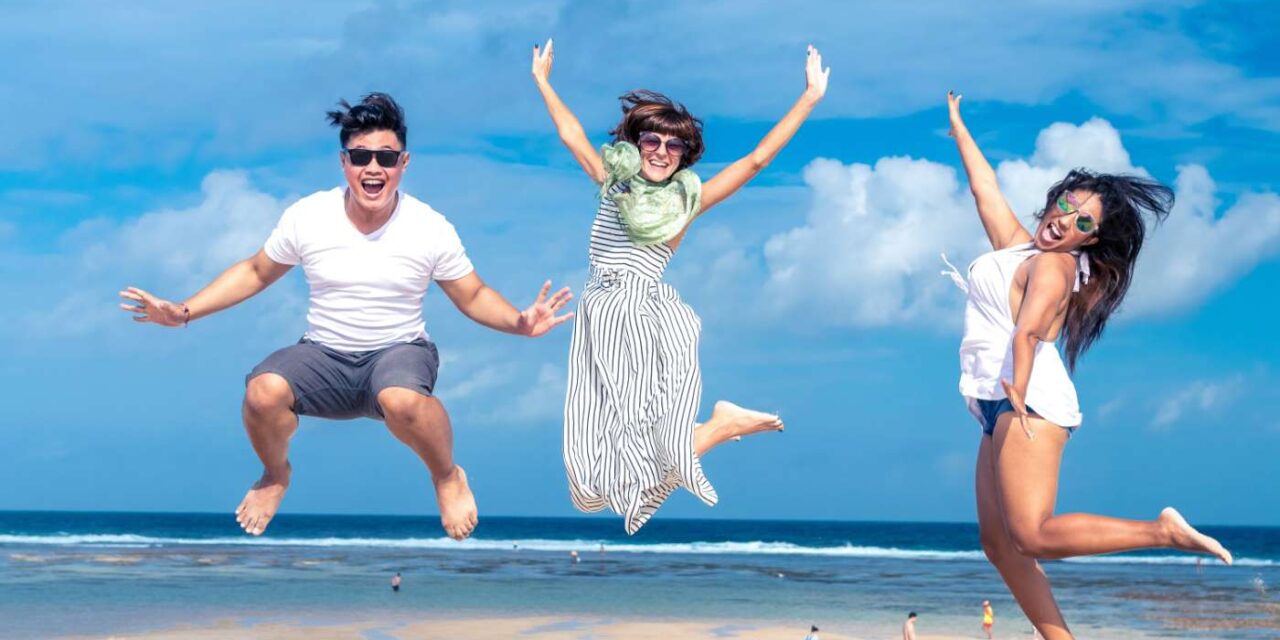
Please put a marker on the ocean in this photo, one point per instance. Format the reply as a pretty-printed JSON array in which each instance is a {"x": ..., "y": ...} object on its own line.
[{"x": 66, "y": 573}]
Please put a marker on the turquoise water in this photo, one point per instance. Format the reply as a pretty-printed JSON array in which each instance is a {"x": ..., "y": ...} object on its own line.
[{"x": 67, "y": 573}]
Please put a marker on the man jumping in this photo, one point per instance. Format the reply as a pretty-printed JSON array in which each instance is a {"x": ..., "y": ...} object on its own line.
[{"x": 369, "y": 253}]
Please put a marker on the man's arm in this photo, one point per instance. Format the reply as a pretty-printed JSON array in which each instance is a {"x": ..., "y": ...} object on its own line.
[
  {"x": 487, "y": 307},
  {"x": 240, "y": 282}
]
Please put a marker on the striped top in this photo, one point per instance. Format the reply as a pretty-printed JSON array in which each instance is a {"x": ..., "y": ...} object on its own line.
[{"x": 611, "y": 248}]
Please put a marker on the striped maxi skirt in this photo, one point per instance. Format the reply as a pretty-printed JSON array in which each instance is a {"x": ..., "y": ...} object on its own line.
[{"x": 633, "y": 396}]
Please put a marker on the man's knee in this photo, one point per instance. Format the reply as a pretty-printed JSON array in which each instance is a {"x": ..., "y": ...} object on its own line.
[
  {"x": 267, "y": 393},
  {"x": 401, "y": 406}
]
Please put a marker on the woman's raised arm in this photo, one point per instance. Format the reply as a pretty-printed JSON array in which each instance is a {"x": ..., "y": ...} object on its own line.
[
  {"x": 1002, "y": 226},
  {"x": 567, "y": 125},
  {"x": 729, "y": 180}
]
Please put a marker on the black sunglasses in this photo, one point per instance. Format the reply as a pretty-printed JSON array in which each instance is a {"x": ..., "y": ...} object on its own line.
[{"x": 387, "y": 158}]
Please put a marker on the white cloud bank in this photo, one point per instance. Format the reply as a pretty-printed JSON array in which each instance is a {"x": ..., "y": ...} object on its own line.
[
  {"x": 281, "y": 64},
  {"x": 170, "y": 252},
  {"x": 867, "y": 255}
]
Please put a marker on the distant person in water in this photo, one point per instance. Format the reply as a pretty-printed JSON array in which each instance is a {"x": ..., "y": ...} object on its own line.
[
  {"x": 631, "y": 436},
  {"x": 395, "y": 582},
  {"x": 369, "y": 252},
  {"x": 909, "y": 627},
  {"x": 1062, "y": 281},
  {"x": 813, "y": 633}
]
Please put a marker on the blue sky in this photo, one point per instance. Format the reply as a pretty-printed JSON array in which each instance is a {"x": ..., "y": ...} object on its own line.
[{"x": 154, "y": 146}]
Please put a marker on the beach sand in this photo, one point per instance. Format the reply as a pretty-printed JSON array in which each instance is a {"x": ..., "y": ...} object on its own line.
[{"x": 533, "y": 627}]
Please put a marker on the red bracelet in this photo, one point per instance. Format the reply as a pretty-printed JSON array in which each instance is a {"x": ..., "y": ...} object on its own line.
[{"x": 186, "y": 315}]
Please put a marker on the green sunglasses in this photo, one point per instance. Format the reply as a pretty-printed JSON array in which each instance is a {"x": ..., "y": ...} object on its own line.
[{"x": 1067, "y": 205}]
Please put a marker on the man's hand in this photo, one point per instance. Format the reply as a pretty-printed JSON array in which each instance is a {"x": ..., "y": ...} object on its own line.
[
  {"x": 148, "y": 308},
  {"x": 541, "y": 316}
]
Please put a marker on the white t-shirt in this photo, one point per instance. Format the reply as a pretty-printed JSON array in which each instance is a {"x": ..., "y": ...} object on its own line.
[{"x": 366, "y": 290}]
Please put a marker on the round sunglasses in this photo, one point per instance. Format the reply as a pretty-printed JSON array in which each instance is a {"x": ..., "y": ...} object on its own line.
[
  {"x": 387, "y": 158},
  {"x": 650, "y": 141},
  {"x": 1067, "y": 205}
]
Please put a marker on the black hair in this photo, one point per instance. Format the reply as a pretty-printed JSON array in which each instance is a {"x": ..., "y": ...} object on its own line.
[
  {"x": 912, "y": 615},
  {"x": 375, "y": 112},
  {"x": 1119, "y": 237},
  {"x": 813, "y": 628},
  {"x": 644, "y": 110}
]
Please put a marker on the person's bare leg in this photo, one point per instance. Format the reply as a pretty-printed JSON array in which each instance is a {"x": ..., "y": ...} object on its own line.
[
  {"x": 270, "y": 422},
  {"x": 421, "y": 423},
  {"x": 1027, "y": 498},
  {"x": 1024, "y": 576},
  {"x": 731, "y": 422}
]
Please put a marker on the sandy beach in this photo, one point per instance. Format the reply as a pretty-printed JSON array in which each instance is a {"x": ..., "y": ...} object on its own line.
[
  {"x": 535, "y": 627},
  {"x": 181, "y": 576}
]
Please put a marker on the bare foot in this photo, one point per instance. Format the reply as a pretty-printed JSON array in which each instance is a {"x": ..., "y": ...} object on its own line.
[
  {"x": 731, "y": 422},
  {"x": 457, "y": 504},
  {"x": 744, "y": 422},
  {"x": 260, "y": 504},
  {"x": 1186, "y": 538}
]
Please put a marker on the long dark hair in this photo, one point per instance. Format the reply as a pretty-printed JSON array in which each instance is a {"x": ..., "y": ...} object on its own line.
[
  {"x": 1120, "y": 234},
  {"x": 644, "y": 110}
]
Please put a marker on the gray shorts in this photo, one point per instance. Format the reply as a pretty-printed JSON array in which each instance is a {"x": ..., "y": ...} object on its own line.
[{"x": 328, "y": 383}]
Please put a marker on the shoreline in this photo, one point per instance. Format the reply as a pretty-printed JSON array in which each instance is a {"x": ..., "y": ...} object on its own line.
[{"x": 536, "y": 627}]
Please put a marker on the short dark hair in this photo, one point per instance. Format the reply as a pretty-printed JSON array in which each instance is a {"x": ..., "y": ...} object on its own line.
[
  {"x": 644, "y": 110},
  {"x": 912, "y": 615},
  {"x": 375, "y": 112},
  {"x": 813, "y": 628}
]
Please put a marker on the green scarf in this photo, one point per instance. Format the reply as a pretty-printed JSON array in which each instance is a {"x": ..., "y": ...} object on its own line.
[{"x": 651, "y": 212}]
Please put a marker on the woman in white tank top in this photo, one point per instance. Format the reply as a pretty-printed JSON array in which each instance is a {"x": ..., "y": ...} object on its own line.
[{"x": 1066, "y": 279}]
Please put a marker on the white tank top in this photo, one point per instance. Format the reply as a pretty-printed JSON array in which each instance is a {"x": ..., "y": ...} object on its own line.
[{"x": 986, "y": 353}]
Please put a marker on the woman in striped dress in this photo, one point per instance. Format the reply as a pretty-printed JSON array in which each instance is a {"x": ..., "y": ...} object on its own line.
[{"x": 631, "y": 435}]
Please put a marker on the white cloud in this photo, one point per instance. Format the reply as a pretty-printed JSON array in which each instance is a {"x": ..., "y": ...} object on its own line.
[
  {"x": 867, "y": 254},
  {"x": 170, "y": 252},
  {"x": 484, "y": 379},
  {"x": 538, "y": 403},
  {"x": 1060, "y": 147},
  {"x": 1197, "y": 252},
  {"x": 1196, "y": 398},
  {"x": 280, "y": 66}
]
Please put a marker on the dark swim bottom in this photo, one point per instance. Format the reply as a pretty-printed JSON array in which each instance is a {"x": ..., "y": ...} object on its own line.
[
  {"x": 991, "y": 410},
  {"x": 340, "y": 385}
]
